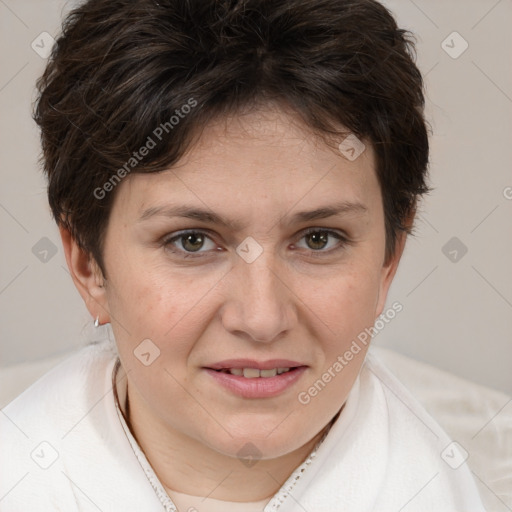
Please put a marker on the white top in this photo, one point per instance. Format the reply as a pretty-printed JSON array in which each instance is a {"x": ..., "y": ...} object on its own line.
[
  {"x": 171, "y": 499},
  {"x": 187, "y": 503},
  {"x": 65, "y": 446}
]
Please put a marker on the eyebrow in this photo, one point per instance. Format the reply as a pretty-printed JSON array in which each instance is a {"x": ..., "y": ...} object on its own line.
[{"x": 207, "y": 216}]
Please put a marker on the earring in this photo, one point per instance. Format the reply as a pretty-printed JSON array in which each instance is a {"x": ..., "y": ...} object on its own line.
[{"x": 97, "y": 321}]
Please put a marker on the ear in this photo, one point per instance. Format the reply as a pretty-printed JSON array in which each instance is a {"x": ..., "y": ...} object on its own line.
[
  {"x": 87, "y": 277},
  {"x": 388, "y": 272}
]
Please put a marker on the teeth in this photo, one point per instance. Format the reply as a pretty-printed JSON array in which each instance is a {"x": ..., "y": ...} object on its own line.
[{"x": 252, "y": 373}]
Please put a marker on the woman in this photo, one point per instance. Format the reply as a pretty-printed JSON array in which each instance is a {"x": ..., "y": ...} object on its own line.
[{"x": 234, "y": 182}]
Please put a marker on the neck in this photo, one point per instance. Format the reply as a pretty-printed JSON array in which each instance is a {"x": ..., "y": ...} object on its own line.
[{"x": 185, "y": 465}]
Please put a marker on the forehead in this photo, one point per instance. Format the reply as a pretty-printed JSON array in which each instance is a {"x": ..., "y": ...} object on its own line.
[
  {"x": 265, "y": 157},
  {"x": 268, "y": 132}
]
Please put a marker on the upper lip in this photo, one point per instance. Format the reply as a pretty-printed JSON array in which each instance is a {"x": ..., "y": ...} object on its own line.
[{"x": 251, "y": 363}]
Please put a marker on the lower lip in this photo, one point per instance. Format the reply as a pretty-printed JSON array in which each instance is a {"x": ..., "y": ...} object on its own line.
[{"x": 258, "y": 387}]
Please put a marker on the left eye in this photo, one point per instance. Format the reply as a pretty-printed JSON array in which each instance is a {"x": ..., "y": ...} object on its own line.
[{"x": 318, "y": 239}]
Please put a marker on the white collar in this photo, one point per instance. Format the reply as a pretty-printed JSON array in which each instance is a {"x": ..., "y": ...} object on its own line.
[
  {"x": 273, "y": 504},
  {"x": 381, "y": 454}
]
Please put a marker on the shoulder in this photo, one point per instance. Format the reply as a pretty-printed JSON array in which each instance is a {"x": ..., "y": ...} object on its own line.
[
  {"x": 64, "y": 384},
  {"x": 63, "y": 447},
  {"x": 44, "y": 427},
  {"x": 419, "y": 443}
]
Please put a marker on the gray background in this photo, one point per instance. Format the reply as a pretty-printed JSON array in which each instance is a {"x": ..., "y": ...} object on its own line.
[{"x": 457, "y": 305}]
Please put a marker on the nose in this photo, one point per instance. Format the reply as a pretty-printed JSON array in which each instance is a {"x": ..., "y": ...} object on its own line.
[{"x": 259, "y": 303}]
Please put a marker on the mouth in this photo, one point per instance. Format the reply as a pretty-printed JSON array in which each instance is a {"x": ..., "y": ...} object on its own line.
[
  {"x": 255, "y": 373},
  {"x": 250, "y": 379}
]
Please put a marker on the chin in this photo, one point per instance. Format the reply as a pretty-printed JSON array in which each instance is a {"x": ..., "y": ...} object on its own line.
[{"x": 249, "y": 441}]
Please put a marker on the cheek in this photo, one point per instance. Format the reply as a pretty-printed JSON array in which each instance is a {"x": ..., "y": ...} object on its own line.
[
  {"x": 346, "y": 303},
  {"x": 345, "y": 308},
  {"x": 167, "y": 308}
]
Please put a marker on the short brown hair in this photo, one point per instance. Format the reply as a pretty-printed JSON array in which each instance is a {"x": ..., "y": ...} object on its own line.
[{"x": 122, "y": 68}]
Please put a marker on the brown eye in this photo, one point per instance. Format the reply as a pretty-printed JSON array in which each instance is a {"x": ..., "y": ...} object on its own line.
[
  {"x": 192, "y": 242},
  {"x": 188, "y": 242},
  {"x": 317, "y": 240}
]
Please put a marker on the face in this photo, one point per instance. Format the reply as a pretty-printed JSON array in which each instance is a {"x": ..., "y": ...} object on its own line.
[{"x": 284, "y": 268}]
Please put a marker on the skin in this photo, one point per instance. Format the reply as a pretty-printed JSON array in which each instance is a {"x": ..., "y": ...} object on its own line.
[{"x": 300, "y": 299}]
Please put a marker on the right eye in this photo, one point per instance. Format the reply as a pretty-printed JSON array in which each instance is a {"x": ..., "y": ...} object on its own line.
[{"x": 191, "y": 242}]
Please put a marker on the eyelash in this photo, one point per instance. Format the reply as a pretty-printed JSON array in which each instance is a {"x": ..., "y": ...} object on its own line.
[{"x": 167, "y": 242}]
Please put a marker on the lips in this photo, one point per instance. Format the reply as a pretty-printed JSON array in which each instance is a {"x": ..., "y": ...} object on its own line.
[
  {"x": 270, "y": 364},
  {"x": 254, "y": 373},
  {"x": 256, "y": 379}
]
